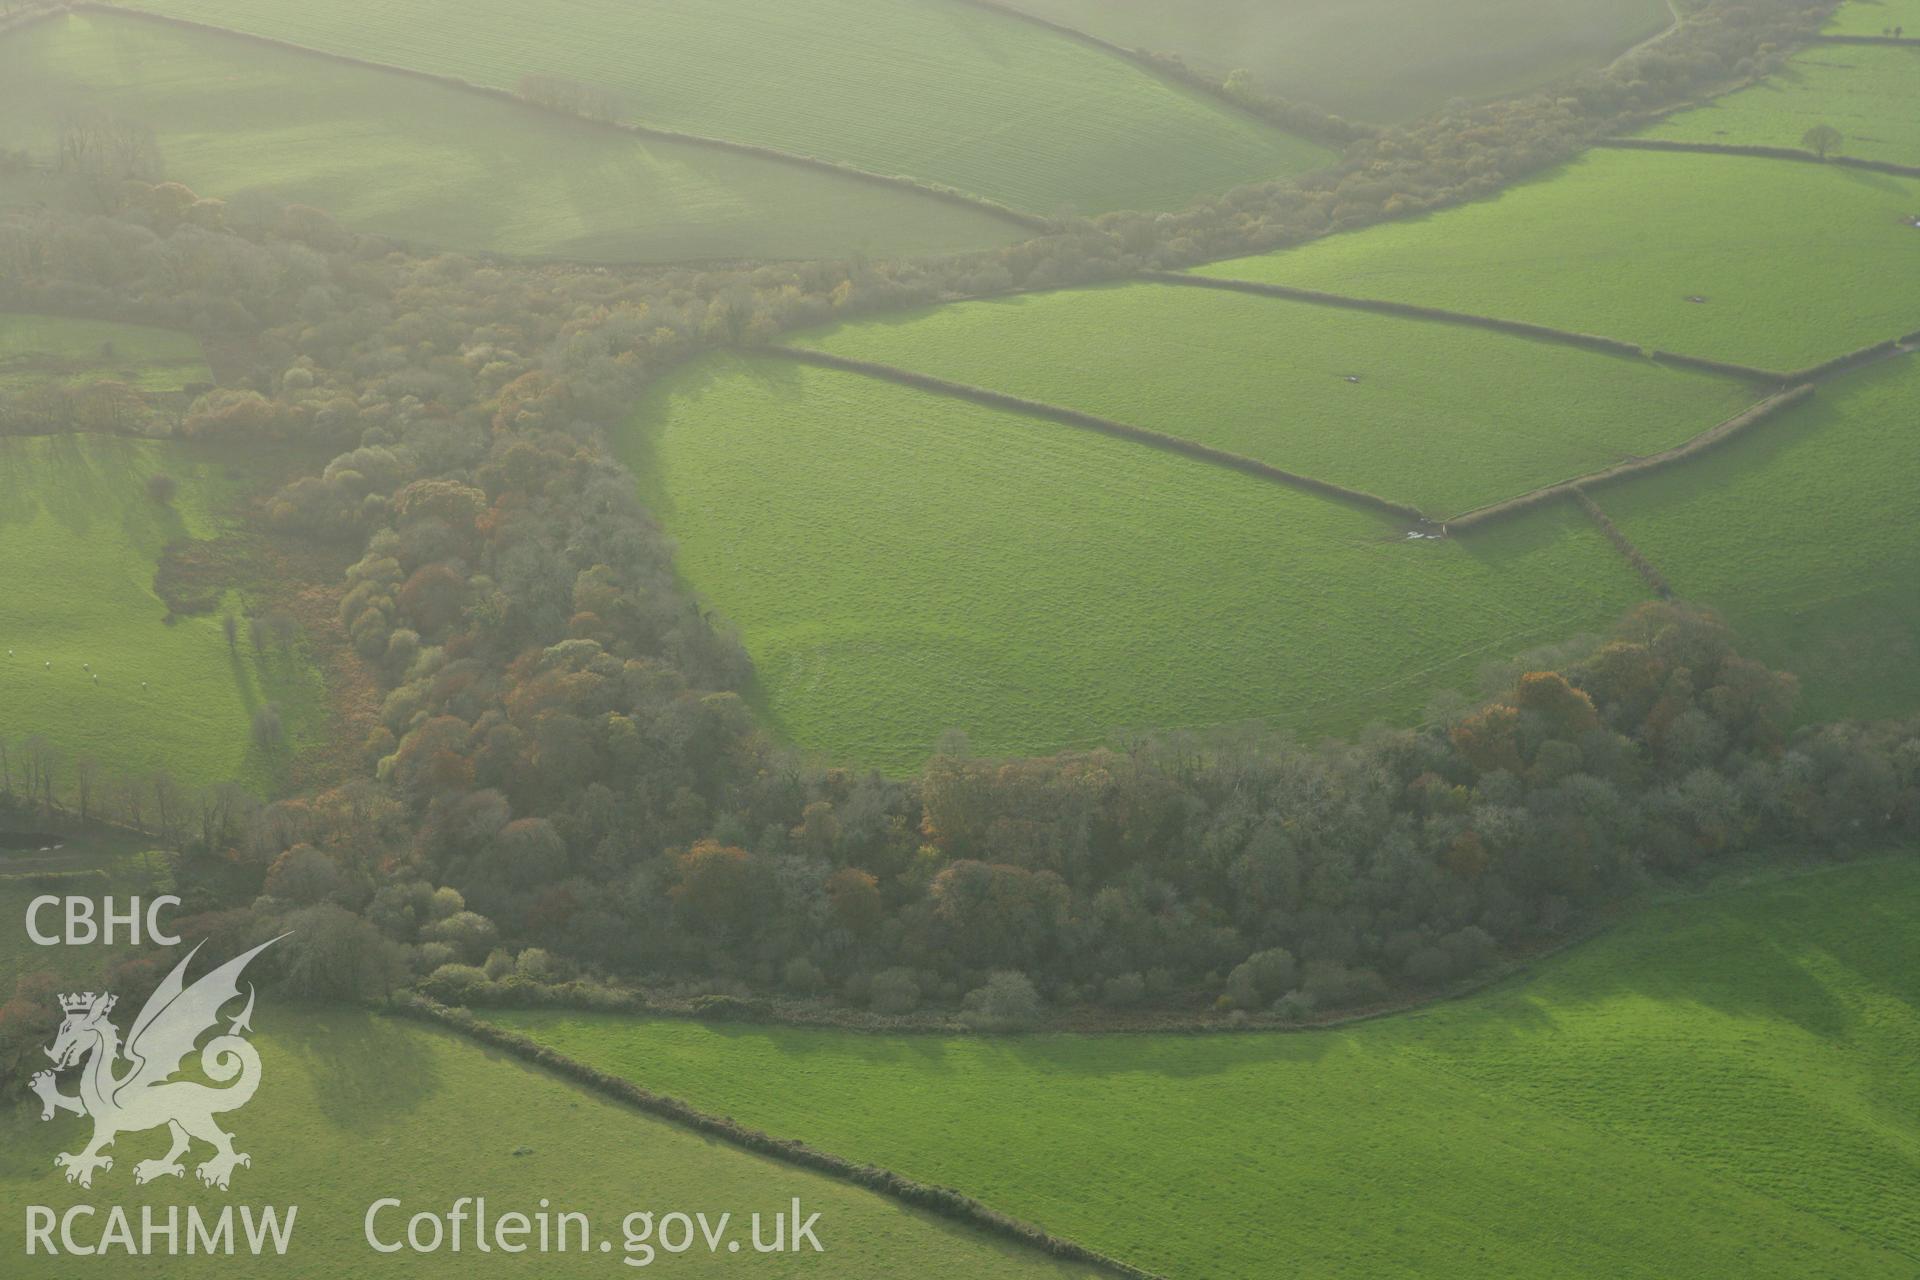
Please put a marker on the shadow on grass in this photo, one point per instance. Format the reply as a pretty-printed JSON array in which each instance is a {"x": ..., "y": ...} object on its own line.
[{"x": 365, "y": 1071}]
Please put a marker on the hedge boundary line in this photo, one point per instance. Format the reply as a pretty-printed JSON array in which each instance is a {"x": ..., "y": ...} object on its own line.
[
  {"x": 1856, "y": 359},
  {"x": 27, "y": 18},
  {"x": 1162, "y": 67},
  {"x": 1648, "y": 571},
  {"x": 1515, "y": 328},
  {"x": 1708, "y": 439},
  {"x": 1105, "y": 426},
  {"x": 942, "y": 1201},
  {"x": 1897, "y": 41},
  {"x": 1762, "y": 153},
  {"x": 949, "y": 195}
]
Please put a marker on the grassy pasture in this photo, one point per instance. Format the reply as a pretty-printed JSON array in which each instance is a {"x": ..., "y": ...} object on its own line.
[
  {"x": 82, "y": 540},
  {"x": 1797, "y": 263},
  {"x": 1722, "y": 1087},
  {"x": 36, "y": 349},
  {"x": 1873, "y": 17},
  {"x": 902, "y": 564},
  {"x": 132, "y": 868},
  {"x": 1374, "y": 59},
  {"x": 1867, "y": 92},
  {"x": 353, "y": 1108},
  {"x": 420, "y": 161},
  {"x": 1444, "y": 417},
  {"x": 1803, "y": 534},
  {"x": 929, "y": 89}
]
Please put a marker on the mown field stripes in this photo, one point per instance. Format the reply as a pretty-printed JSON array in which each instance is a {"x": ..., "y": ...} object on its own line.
[
  {"x": 1519, "y": 328},
  {"x": 949, "y": 195},
  {"x": 1764, "y": 153},
  {"x": 1106, "y": 426},
  {"x": 1634, "y": 466}
]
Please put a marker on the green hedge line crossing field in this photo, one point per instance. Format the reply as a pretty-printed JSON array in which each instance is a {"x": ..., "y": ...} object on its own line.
[
  {"x": 354, "y": 1108},
  {"x": 36, "y": 349},
  {"x": 1722, "y": 1087},
  {"x": 1801, "y": 534},
  {"x": 1374, "y": 59},
  {"x": 425, "y": 162},
  {"x": 1440, "y": 416},
  {"x": 82, "y": 539},
  {"x": 928, "y": 89},
  {"x": 1867, "y": 92},
  {"x": 1796, "y": 263},
  {"x": 901, "y": 564},
  {"x": 1873, "y": 17}
]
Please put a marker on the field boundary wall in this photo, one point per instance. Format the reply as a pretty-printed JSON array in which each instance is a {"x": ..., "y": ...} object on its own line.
[
  {"x": 1106, "y": 426},
  {"x": 1516, "y": 328},
  {"x": 943, "y": 1201},
  {"x": 1763, "y": 153},
  {"x": 949, "y": 195},
  {"x": 1708, "y": 439}
]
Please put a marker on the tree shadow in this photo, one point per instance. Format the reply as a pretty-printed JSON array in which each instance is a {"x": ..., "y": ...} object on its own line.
[{"x": 365, "y": 1071}]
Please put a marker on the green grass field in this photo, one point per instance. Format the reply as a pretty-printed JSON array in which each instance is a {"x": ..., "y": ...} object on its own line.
[
  {"x": 902, "y": 564},
  {"x": 930, "y": 89},
  {"x": 36, "y": 348},
  {"x": 1722, "y": 1087},
  {"x": 446, "y": 168},
  {"x": 1864, "y": 91},
  {"x": 134, "y": 870},
  {"x": 1801, "y": 533},
  {"x": 1444, "y": 417},
  {"x": 1874, "y": 17},
  {"x": 1374, "y": 59},
  {"x": 354, "y": 1108},
  {"x": 82, "y": 540},
  {"x": 1797, "y": 263}
]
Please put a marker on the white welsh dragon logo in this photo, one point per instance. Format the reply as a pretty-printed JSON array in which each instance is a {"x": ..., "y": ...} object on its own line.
[{"x": 146, "y": 1096}]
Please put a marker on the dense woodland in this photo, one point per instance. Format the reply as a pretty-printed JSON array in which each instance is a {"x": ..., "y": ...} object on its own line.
[{"x": 567, "y": 784}]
